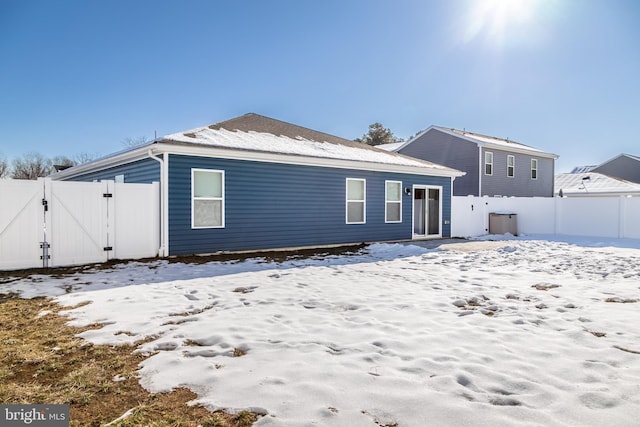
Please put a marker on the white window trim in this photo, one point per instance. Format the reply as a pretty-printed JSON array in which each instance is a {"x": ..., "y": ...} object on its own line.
[
  {"x": 347, "y": 200},
  {"x": 387, "y": 201},
  {"x": 193, "y": 198},
  {"x": 512, "y": 157},
  {"x": 534, "y": 161},
  {"x": 488, "y": 163}
]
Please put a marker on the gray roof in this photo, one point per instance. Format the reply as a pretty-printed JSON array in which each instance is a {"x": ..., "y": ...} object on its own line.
[
  {"x": 252, "y": 122},
  {"x": 481, "y": 140}
]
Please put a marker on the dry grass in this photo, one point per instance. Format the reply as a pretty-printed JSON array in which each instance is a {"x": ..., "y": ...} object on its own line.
[
  {"x": 545, "y": 286},
  {"x": 621, "y": 300},
  {"x": 43, "y": 362}
]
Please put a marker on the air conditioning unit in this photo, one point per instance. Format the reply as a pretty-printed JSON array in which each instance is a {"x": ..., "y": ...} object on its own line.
[{"x": 503, "y": 223}]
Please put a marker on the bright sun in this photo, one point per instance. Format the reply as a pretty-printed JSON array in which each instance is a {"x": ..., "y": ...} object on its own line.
[{"x": 497, "y": 20}]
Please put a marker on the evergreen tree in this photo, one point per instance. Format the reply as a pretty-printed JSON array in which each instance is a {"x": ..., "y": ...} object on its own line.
[{"x": 377, "y": 135}]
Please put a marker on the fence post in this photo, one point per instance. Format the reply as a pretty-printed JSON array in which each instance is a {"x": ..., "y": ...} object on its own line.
[
  {"x": 622, "y": 205},
  {"x": 485, "y": 217},
  {"x": 109, "y": 213},
  {"x": 46, "y": 221},
  {"x": 557, "y": 206}
]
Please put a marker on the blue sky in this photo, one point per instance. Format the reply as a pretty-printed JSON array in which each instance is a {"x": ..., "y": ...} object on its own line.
[{"x": 560, "y": 75}]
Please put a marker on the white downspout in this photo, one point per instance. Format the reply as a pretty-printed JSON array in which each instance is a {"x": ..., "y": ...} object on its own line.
[
  {"x": 480, "y": 169},
  {"x": 163, "y": 250},
  {"x": 453, "y": 178}
]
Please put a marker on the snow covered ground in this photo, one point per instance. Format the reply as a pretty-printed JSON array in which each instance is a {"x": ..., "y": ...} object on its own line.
[{"x": 519, "y": 332}]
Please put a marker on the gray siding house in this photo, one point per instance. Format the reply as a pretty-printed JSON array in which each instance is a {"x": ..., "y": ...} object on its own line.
[
  {"x": 256, "y": 183},
  {"x": 493, "y": 166},
  {"x": 624, "y": 166}
]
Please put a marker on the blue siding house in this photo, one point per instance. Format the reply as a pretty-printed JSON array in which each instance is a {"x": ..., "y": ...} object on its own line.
[{"x": 256, "y": 183}]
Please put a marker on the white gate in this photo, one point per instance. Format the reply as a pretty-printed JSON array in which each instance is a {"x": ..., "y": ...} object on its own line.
[
  {"x": 77, "y": 222},
  {"x": 48, "y": 223},
  {"x": 21, "y": 223},
  {"x": 135, "y": 221}
]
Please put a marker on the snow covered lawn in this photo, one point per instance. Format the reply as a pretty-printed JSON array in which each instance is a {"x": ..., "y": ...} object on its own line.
[{"x": 527, "y": 332}]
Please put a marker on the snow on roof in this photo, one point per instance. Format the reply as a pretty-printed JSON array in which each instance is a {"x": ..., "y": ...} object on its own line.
[
  {"x": 292, "y": 140},
  {"x": 260, "y": 141},
  {"x": 390, "y": 147},
  {"x": 259, "y": 134},
  {"x": 593, "y": 183}
]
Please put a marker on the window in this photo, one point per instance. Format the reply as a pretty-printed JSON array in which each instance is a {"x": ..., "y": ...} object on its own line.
[
  {"x": 119, "y": 178},
  {"x": 393, "y": 201},
  {"x": 356, "y": 201},
  {"x": 534, "y": 168},
  {"x": 207, "y": 201},
  {"x": 488, "y": 163},
  {"x": 511, "y": 165}
]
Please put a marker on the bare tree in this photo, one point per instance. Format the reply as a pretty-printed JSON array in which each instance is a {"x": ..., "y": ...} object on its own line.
[
  {"x": 4, "y": 167},
  {"x": 31, "y": 166},
  {"x": 82, "y": 158},
  {"x": 134, "y": 142}
]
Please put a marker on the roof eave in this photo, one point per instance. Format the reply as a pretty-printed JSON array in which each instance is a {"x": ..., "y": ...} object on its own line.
[
  {"x": 113, "y": 160},
  {"x": 519, "y": 150}
]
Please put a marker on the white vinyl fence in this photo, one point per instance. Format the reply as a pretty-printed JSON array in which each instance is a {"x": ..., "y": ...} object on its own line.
[
  {"x": 47, "y": 223},
  {"x": 614, "y": 217}
]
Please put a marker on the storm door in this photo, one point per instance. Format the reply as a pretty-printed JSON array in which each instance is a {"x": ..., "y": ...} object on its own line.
[{"x": 427, "y": 212}]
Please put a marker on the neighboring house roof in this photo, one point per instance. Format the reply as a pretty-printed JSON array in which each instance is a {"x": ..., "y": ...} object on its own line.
[
  {"x": 583, "y": 169},
  {"x": 594, "y": 184},
  {"x": 485, "y": 141},
  {"x": 629, "y": 156},
  {"x": 623, "y": 166},
  {"x": 260, "y": 138}
]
